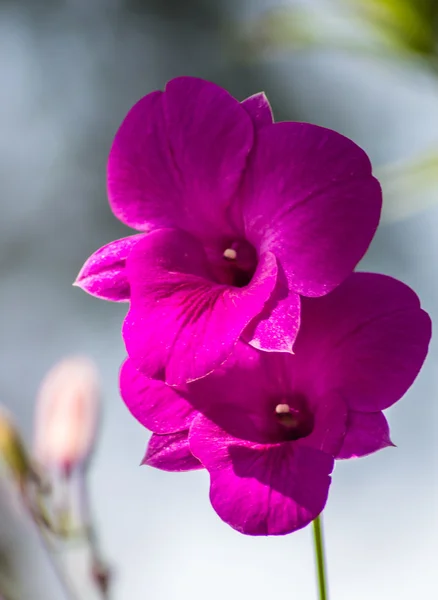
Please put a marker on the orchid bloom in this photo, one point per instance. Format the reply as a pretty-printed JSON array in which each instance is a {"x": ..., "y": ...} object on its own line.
[
  {"x": 269, "y": 426},
  {"x": 238, "y": 216}
]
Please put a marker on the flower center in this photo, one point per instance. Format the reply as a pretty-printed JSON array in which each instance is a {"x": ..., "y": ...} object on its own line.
[
  {"x": 242, "y": 262},
  {"x": 294, "y": 418},
  {"x": 230, "y": 254},
  {"x": 285, "y": 416}
]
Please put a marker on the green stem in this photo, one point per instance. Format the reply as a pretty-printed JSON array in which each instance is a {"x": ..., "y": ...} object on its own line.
[{"x": 320, "y": 558}]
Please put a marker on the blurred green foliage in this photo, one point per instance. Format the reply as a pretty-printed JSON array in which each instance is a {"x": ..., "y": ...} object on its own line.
[
  {"x": 396, "y": 27},
  {"x": 9, "y": 589},
  {"x": 409, "y": 186},
  {"x": 409, "y": 24},
  {"x": 12, "y": 450}
]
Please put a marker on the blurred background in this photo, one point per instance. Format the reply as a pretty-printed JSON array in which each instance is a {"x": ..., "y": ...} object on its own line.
[{"x": 69, "y": 72}]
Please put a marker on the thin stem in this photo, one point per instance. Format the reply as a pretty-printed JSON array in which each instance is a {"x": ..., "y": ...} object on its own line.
[
  {"x": 320, "y": 558},
  {"x": 44, "y": 535},
  {"x": 62, "y": 576},
  {"x": 100, "y": 571}
]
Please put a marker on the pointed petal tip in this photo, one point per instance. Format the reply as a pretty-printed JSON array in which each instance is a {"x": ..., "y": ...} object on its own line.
[
  {"x": 388, "y": 443},
  {"x": 287, "y": 349},
  {"x": 262, "y": 95},
  {"x": 259, "y": 108}
]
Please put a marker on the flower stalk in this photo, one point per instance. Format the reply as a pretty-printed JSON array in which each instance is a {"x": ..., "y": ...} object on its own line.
[{"x": 320, "y": 558}]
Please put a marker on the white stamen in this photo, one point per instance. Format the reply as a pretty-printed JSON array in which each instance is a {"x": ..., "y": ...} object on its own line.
[
  {"x": 230, "y": 253},
  {"x": 282, "y": 409}
]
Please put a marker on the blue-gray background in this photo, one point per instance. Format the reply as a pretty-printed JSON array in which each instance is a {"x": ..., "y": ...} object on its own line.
[{"x": 69, "y": 72}]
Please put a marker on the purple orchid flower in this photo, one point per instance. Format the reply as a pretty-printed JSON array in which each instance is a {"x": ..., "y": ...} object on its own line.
[
  {"x": 240, "y": 216},
  {"x": 268, "y": 426}
]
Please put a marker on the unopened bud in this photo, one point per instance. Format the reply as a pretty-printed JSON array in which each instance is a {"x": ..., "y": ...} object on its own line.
[
  {"x": 12, "y": 449},
  {"x": 67, "y": 414}
]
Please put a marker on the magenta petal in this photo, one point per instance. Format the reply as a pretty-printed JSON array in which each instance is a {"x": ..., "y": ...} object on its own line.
[
  {"x": 276, "y": 327},
  {"x": 178, "y": 157},
  {"x": 238, "y": 395},
  {"x": 310, "y": 198},
  {"x": 153, "y": 403},
  {"x": 331, "y": 413},
  {"x": 170, "y": 453},
  {"x": 261, "y": 490},
  {"x": 259, "y": 109},
  {"x": 367, "y": 340},
  {"x": 181, "y": 324},
  {"x": 144, "y": 187},
  {"x": 210, "y": 135},
  {"x": 241, "y": 396},
  {"x": 103, "y": 274},
  {"x": 366, "y": 433}
]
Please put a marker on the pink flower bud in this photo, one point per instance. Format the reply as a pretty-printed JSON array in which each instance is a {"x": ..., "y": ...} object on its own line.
[{"x": 67, "y": 414}]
